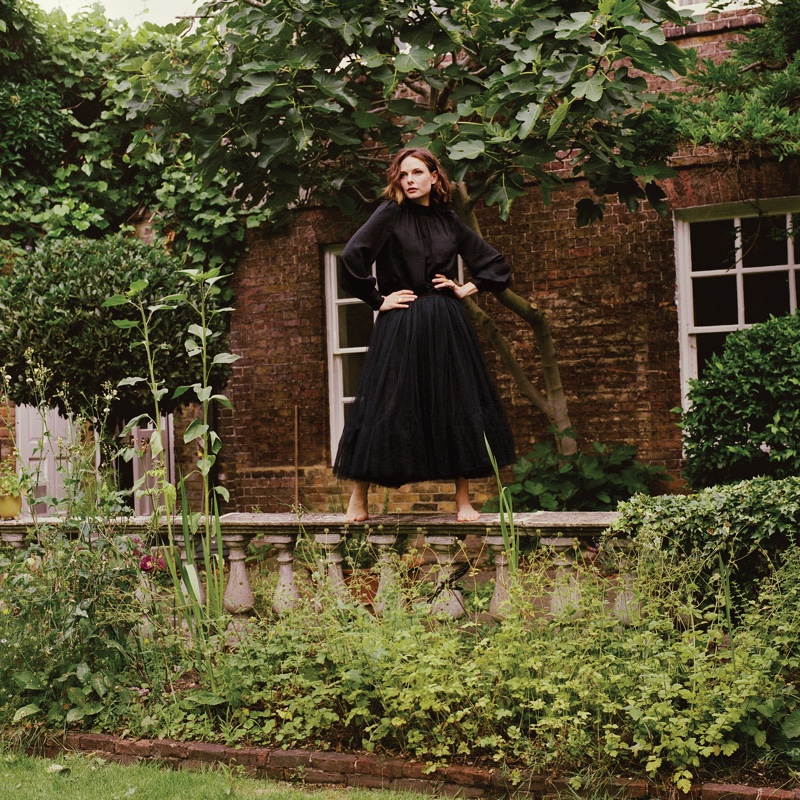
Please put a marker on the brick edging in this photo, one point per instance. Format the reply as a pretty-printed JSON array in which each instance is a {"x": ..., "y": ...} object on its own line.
[{"x": 366, "y": 770}]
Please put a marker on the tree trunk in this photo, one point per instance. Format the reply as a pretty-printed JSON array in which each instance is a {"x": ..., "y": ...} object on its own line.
[{"x": 554, "y": 403}]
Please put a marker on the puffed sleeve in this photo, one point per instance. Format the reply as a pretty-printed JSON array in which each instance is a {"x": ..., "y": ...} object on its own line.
[
  {"x": 360, "y": 253},
  {"x": 487, "y": 268}
]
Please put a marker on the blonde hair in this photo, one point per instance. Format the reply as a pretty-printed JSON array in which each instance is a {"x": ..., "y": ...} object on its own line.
[{"x": 441, "y": 191}]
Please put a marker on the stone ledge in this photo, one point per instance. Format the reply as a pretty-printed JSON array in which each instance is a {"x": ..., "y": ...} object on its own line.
[
  {"x": 366, "y": 770},
  {"x": 577, "y": 524}
]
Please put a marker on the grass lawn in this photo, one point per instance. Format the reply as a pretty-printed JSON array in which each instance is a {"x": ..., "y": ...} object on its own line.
[{"x": 80, "y": 777}]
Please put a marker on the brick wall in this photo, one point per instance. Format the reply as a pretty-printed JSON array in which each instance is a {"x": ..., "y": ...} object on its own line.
[{"x": 608, "y": 292}]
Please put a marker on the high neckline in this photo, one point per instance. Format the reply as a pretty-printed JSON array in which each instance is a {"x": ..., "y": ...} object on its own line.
[{"x": 417, "y": 208}]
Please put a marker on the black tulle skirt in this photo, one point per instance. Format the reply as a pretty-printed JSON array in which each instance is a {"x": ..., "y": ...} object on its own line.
[{"x": 424, "y": 402}]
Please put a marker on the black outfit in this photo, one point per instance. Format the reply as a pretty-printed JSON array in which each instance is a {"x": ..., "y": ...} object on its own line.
[{"x": 425, "y": 399}]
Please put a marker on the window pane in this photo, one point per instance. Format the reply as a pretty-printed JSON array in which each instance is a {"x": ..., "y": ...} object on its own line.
[
  {"x": 708, "y": 345},
  {"x": 764, "y": 241},
  {"x": 715, "y": 300},
  {"x": 352, "y": 364},
  {"x": 355, "y": 325},
  {"x": 340, "y": 292},
  {"x": 713, "y": 245},
  {"x": 765, "y": 294}
]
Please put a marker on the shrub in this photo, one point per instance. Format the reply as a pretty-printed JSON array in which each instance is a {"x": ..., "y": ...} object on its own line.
[
  {"x": 51, "y": 313},
  {"x": 744, "y": 415},
  {"x": 549, "y": 481},
  {"x": 745, "y": 527}
]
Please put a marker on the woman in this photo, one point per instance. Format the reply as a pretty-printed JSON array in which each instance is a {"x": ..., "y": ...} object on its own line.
[{"x": 425, "y": 400}]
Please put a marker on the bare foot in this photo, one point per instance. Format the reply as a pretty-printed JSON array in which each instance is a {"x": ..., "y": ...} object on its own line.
[
  {"x": 358, "y": 507},
  {"x": 464, "y": 510},
  {"x": 466, "y": 513}
]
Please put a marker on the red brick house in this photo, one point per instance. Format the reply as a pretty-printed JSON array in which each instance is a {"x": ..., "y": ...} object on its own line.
[{"x": 636, "y": 304}]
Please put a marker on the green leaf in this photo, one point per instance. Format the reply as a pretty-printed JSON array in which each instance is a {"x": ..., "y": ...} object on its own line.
[
  {"x": 28, "y": 680},
  {"x": 528, "y": 117},
  {"x": 334, "y": 87},
  {"x": 115, "y": 300},
  {"x": 124, "y": 324},
  {"x": 137, "y": 287},
  {"x": 470, "y": 149},
  {"x": 558, "y": 118},
  {"x": 790, "y": 727},
  {"x": 26, "y": 711},
  {"x": 591, "y": 89},
  {"x": 225, "y": 358},
  {"x": 416, "y": 58},
  {"x": 261, "y": 83},
  {"x": 195, "y": 430}
]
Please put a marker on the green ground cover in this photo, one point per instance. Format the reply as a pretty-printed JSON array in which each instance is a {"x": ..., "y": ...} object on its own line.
[{"x": 90, "y": 778}]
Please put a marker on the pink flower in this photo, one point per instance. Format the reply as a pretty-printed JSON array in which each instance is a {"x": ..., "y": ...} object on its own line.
[{"x": 152, "y": 564}]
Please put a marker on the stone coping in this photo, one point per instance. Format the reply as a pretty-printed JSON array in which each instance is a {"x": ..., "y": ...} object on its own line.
[
  {"x": 367, "y": 770},
  {"x": 577, "y": 524}
]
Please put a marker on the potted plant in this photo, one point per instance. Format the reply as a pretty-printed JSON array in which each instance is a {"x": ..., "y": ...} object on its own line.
[{"x": 13, "y": 483}]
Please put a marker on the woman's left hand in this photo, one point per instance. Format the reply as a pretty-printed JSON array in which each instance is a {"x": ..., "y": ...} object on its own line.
[{"x": 443, "y": 282}]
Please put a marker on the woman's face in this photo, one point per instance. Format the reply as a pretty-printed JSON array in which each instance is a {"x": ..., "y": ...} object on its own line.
[{"x": 416, "y": 180}]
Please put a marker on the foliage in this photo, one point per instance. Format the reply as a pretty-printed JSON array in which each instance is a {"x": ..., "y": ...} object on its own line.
[
  {"x": 22, "y": 39},
  {"x": 547, "y": 480},
  {"x": 13, "y": 479},
  {"x": 68, "y": 613},
  {"x": 580, "y": 694},
  {"x": 744, "y": 413},
  {"x": 576, "y": 694},
  {"x": 64, "y": 165},
  {"x": 747, "y": 103},
  {"x": 51, "y": 310},
  {"x": 301, "y": 101},
  {"x": 745, "y": 527}
]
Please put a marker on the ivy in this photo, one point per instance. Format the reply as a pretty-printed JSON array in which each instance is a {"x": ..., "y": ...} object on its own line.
[{"x": 66, "y": 136}]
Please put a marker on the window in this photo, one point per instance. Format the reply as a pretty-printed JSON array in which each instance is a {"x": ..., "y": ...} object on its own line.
[
  {"x": 349, "y": 326},
  {"x": 736, "y": 267}
]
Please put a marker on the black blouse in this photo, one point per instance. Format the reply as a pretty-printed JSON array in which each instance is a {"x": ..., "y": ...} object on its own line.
[{"x": 410, "y": 243}]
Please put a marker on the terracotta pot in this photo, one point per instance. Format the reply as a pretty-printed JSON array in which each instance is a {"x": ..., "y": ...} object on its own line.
[{"x": 10, "y": 506}]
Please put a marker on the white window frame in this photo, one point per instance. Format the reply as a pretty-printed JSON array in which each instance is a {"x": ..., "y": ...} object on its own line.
[
  {"x": 683, "y": 218},
  {"x": 336, "y": 397}
]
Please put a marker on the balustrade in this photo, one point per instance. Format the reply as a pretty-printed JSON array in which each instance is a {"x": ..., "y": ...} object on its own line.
[{"x": 442, "y": 539}]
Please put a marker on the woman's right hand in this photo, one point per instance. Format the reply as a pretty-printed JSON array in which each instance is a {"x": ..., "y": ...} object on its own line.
[{"x": 399, "y": 299}]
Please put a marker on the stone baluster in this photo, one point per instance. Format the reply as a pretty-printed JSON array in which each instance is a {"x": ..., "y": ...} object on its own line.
[
  {"x": 332, "y": 544},
  {"x": 385, "y": 544},
  {"x": 239, "y": 599},
  {"x": 501, "y": 597},
  {"x": 448, "y": 598},
  {"x": 286, "y": 593},
  {"x": 626, "y": 606},
  {"x": 565, "y": 597}
]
